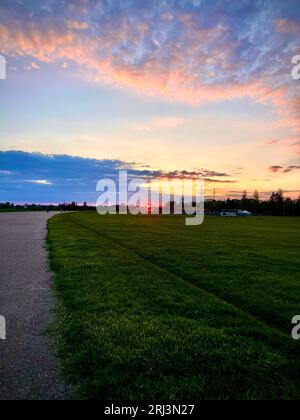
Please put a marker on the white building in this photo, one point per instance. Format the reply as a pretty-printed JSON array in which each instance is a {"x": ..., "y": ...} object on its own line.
[
  {"x": 235, "y": 213},
  {"x": 244, "y": 213}
]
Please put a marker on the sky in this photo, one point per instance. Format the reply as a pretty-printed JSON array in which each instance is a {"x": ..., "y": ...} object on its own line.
[{"x": 163, "y": 88}]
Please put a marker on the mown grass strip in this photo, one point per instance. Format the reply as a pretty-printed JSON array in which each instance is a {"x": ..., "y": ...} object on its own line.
[{"x": 126, "y": 329}]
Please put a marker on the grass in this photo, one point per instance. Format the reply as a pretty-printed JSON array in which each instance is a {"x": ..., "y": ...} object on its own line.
[{"x": 152, "y": 309}]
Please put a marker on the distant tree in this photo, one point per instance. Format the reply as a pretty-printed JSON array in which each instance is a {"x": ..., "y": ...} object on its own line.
[
  {"x": 172, "y": 207},
  {"x": 289, "y": 207},
  {"x": 277, "y": 197},
  {"x": 280, "y": 195},
  {"x": 255, "y": 203},
  {"x": 276, "y": 202},
  {"x": 244, "y": 200}
]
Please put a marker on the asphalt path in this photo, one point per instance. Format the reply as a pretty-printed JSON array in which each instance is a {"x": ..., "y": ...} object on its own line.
[{"x": 28, "y": 370}]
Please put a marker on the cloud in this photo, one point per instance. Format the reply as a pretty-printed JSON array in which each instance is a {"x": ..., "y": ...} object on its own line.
[
  {"x": 296, "y": 146},
  {"x": 203, "y": 173},
  {"x": 66, "y": 178},
  {"x": 270, "y": 142},
  {"x": 32, "y": 66},
  {"x": 40, "y": 182},
  {"x": 291, "y": 168},
  {"x": 190, "y": 52},
  {"x": 287, "y": 26},
  {"x": 275, "y": 168},
  {"x": 218, "y": 181},
  {"x": 284, "y": 170},
  {"x": 34, "y": 177},
  {"x": 78, "y": 26},
  {"x": 35, "y": 66}
]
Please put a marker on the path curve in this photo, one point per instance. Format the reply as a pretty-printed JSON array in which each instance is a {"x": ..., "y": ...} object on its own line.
[{"x": 27, "y": 368}]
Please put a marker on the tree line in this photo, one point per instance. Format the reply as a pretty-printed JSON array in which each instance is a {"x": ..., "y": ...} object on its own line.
[{"x": 277, "y": 205}]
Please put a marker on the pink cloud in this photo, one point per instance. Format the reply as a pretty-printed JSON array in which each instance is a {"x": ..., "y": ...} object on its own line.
[
  {"x": 173, "y": 80},
  {"x": 179, "y": 70},
  {"x": 296, "y": 147},
  {"x": 270, "y": 142},
  {"x": 287, "y": 26}
]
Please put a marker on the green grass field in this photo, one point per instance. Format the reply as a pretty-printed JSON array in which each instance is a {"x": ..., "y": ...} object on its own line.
[{"x": 152, "y": 309}]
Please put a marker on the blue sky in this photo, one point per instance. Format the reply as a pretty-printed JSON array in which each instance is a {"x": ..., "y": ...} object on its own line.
[
  {"x": 169, "y": 85},
  {"x": 50, "y": 179},
  {"x": 38, "y": 178}
]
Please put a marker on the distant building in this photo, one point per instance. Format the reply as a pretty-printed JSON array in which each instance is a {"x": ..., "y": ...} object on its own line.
[
  {"x": 229, "y": 213},
  {"x": 244, "y": 213},
  {"x": 235, "y": 213}
]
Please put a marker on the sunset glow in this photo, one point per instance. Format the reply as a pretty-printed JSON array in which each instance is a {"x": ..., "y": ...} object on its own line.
[{"x": 165, "y": 88}]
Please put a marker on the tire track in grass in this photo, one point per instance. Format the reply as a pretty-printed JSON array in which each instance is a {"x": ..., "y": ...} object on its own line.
[{"x": 273, "y": 335}]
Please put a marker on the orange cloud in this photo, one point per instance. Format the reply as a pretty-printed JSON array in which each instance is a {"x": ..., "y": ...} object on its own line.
[{"x": 270, "y": 142}]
